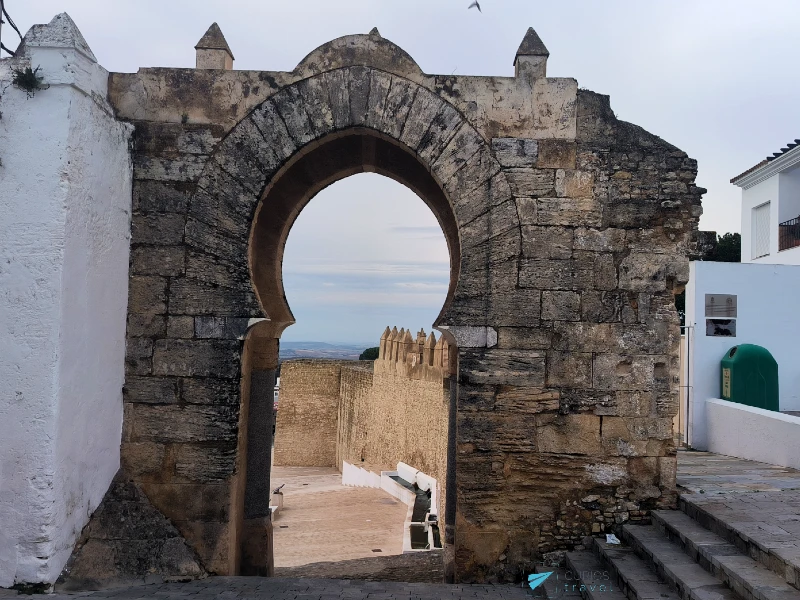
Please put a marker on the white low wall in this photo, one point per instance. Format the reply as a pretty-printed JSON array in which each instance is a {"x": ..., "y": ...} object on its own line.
[
  {"x": 753, "y": 433},
  {"x": 65, "y": 199}
]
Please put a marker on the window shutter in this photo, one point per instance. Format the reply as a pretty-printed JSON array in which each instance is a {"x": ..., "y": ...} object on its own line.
[{"x": 760, "y": 233}]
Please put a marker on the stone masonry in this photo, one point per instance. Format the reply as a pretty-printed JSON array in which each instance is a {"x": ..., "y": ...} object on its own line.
[{"x": 568, "y": 233}]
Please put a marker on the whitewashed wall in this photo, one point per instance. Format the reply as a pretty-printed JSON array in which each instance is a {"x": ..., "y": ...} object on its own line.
[
  {"x": 782, "y": 191},
  {"x": 767, "y": 316},
  {"x": 65, "y": 194}
]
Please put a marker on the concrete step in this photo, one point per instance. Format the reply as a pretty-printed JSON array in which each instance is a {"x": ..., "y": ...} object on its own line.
[
  {"x": 634, "y": 578},
  {"x": 590, "y": 577},
  {"x": 674, "y": 566},
  {"x": 748, "y": 578},
  {"x": 774, "y": 551}
]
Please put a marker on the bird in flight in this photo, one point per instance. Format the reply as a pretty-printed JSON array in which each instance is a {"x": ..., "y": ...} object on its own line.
[{"x": 475, "y": 5}]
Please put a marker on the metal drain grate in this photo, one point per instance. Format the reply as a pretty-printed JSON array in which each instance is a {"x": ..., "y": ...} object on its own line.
[{"x": 377, "y": 550}]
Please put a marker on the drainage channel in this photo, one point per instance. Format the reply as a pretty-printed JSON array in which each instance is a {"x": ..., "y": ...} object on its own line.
[{"x": 421, "y": 518}]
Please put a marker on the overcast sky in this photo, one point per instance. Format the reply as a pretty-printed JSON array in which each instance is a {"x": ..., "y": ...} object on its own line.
[{"x": 717, "y": 78}]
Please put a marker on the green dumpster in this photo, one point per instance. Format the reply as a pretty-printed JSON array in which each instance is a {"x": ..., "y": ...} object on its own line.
[{"x": 749, "y": 375}]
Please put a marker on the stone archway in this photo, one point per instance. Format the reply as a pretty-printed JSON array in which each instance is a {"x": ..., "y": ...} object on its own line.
[
  {"x": 310, "y": 135},
  {"x": 570, "y": 231}
]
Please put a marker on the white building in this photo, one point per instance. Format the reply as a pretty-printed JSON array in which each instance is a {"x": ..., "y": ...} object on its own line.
[
  {"x": 728, "y": 304},
  {"x": 771, "y": 208}
]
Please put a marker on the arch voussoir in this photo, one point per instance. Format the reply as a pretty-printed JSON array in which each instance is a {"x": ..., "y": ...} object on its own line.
[{"x": 380, "y": 83}]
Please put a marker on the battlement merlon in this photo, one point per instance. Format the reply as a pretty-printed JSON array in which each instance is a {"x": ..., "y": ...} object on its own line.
[{"x": 528, "y": 105}]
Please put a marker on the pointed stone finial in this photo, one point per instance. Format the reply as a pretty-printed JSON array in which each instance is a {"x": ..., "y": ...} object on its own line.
[
  {"x": 391, "y": 345},
  {"x": 437, "y": 352},
  {"x": 409, "y": 348},
  {"x": 213, "y": 51},
  {"x": 531, "y": 58},
  {"x": 427, "y": 352},
  {"x": 60, "y": 32},
  {"x": 375, "y": 32},
  {"x": 382, "y": 344}
]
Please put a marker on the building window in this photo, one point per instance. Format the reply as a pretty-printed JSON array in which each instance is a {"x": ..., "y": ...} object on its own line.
[{"x": 760, "y": 232}]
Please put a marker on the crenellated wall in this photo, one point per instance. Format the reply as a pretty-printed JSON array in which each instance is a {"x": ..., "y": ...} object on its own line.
[{"x": 401, "y": 416}]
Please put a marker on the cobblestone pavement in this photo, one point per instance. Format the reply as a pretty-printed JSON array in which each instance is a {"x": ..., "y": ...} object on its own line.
[
  {"x": 712, "y": 474},
  {"x": 278, "y": 588}
]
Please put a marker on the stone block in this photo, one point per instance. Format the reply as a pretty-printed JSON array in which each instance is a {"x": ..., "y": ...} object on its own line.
[
  {"x": 147, "y": 295},
  {"x": 229, "y": 328},
  {"x": 171, "y": 424},
  {"x": 157, "y": 229},
  {"x": 150, "y": 390},
  {"x": 531, "y": 183},
  {"x": 515, "y": 152},
  {"x": 569, "y": 434},
  {"x": 193, "y": 297},
  {"x": 574, "y": 184},
  {"x": 599, "y": 240},
  {"x": 561, "y": 306},
  {"x": 623, "y": 372},
  {"x": 146, "y": 325},
  {"x": 191, "y": 502},
  {"x": 207, "y": 390},
  {"x": 211, "y": 541},
  {"x": 158, "y": 260},
  {"x": 184, "y": 168},
  {"x": 556, "y": 154},
  {"x": 621, "y": 338},
  {"x": 471, "y": 204},
  {"x": 546, "y": 242},
  {"x": 489, "y": 227},
  {"x": 567, "y": 212},
  {"x": 216, "y": 272},
  {"x": 206, "y": 239},
  {"x": 192, "y": 358},
  {"x": 160, "y": 196},
  {"x": 204, "y": 463},
  {"x": 503, "y": 367},
  {"x": 615, "y": 306},
  {"x": 650, "y": 272},
  {"x": 138, "y": 356},
  {"x": 142, "y": 459},
  {"x": 569, "y": 369},
  {"x": 579, "y": 274},
  {"x": 181, "y": 326},
  {"x": 524, "y": 338}
]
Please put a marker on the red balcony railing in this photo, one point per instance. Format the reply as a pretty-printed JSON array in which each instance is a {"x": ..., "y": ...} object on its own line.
[{"x": 789, "y": 234}]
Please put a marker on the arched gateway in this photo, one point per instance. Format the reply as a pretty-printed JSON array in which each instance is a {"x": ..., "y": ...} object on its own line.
[{"x": 568, "y": 232}]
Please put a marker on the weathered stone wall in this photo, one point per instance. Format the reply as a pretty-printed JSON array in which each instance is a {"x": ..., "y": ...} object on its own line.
[
  {"x": 308, "y": 410},
  {"x": 569, "y": 232}
]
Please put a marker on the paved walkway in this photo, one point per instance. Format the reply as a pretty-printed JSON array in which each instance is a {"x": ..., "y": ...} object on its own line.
[
  {"x": 323, "y": 520},
  {"x": 277, "y": 588},
  {"x": 713, "y": 474}
]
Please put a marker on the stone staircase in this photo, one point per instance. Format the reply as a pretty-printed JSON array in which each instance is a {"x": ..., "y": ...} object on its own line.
[{"x": 677, "y": 558}]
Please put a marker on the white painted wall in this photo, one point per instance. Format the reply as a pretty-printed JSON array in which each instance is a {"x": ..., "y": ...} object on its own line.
[
  {"x": 753, "y": 433},
  {"x": 782, "y": 191},
  {"x": 767, "y": 316},
  {"x": 65, "y": 193}
]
